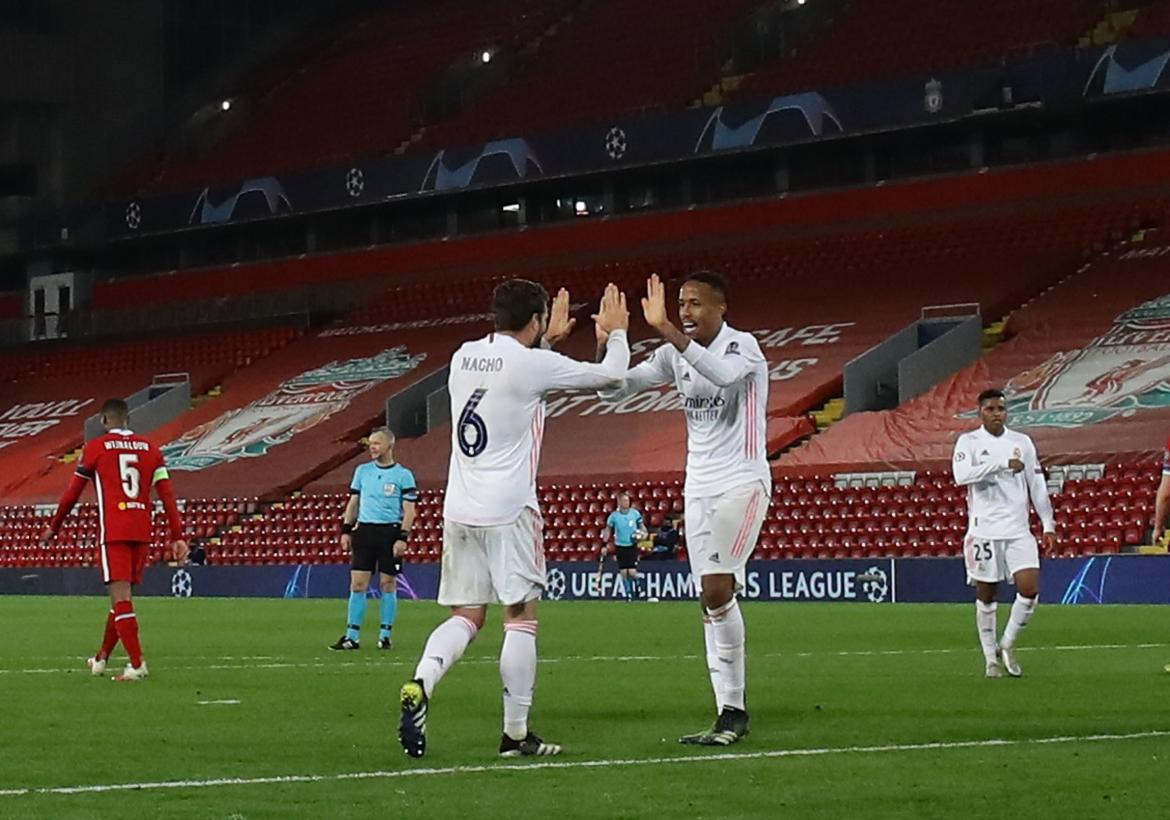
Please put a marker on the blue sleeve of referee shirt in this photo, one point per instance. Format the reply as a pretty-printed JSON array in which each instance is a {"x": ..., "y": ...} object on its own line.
[
  {"x": 355, "y": 486},
  {"x": 409, "y": 488}
]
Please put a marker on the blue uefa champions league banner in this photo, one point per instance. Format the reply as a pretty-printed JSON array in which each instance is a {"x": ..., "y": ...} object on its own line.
[
  {"x": 1073, "y": 78},
  {"x": 1128, "y": 579}
]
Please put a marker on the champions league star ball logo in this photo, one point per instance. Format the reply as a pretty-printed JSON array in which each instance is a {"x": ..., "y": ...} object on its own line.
[
  {"x": 355, "y": 182},
  {"x": 555, "y": 585},
  {"x": 875, "y": 584},
  {"x": 133, "y": 216},
  {"x": 615, "y": 143},
  {"x": 181, "y": 584},
  {"x": 1122, "y": 371}
]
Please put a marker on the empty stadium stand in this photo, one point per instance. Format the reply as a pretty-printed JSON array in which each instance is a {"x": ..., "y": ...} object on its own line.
[
  {"x": 1133, "y": 181},
  {"x": 614, "y": 56},
  {"x": 361, "y": 95},
  {"x": 49, "y": 391},
  {"x": 1085, "y": 371},
  {"x": 818, "y": 277},
  {"x": 875, "y": 39}
]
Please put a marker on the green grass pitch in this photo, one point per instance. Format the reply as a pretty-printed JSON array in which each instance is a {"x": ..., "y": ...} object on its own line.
[{"x": 857, "y": 711}]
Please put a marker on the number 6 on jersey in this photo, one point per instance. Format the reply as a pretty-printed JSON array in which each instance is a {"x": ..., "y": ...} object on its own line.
[{"x": 472, "y": 431}]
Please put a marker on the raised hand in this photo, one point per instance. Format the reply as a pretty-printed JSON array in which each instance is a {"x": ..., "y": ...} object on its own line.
[
  {"x": 560, "y": 324},
  {"x": 612, "y": 314},
  {"x": 654, "y": 303}
]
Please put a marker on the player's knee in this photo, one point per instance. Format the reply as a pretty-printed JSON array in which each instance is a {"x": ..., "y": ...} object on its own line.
[
  {"x": 716, "y": 592},
  {"x": 389, "y": 583},
  {"x": 476, "y": 616}
]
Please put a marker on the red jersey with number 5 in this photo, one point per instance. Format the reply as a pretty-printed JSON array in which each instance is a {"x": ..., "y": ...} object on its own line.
[{"x": 124, "y": 467}]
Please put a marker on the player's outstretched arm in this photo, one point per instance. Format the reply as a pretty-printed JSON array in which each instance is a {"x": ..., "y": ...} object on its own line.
[
  {"x": 556, "y": 372},
  {"x": 723, "y": 371}
]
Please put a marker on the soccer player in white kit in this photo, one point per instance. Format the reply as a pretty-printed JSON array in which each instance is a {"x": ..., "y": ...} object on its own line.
[
  {"x": 723, "y": 378},
  {"x": 493, "y": 550},
  {"x": 1001, "y": 471}
]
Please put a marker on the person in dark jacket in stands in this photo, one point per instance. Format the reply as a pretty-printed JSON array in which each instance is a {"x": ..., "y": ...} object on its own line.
[{"x": 665, "y": 541}]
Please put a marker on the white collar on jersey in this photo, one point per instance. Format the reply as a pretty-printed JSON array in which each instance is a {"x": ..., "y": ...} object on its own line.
[
  {"x": 121, "y": 431},
  {"x": 724, "y": 328}
]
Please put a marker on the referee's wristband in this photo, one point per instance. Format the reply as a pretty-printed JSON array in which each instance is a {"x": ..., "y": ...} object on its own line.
[
  {"x": 346, "y": 528},
  {"x": 404, "y": 535}
]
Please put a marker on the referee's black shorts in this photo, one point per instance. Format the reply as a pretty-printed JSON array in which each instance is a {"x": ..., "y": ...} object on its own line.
[
  {"x": 627, "y": 557},
  {"x": 373, "y": 548}
]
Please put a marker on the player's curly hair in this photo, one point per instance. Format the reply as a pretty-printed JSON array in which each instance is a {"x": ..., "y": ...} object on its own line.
[{"x": 515, "y": 302}]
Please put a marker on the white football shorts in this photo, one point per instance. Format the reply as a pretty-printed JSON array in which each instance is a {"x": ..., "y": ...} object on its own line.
[
  {"x": 721, "y": 530},
  {"x": 994, "y": 560},
  {"x": 502, "y": 564}
]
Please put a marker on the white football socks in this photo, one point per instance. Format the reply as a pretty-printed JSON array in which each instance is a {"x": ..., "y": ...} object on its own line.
[
  {"x": 727, "y": 626},
  {"x": 712, "y": 661},
  {"x": 444, "y": 647},
  {"x": 518, "y": 673},
  {"x": 1022, "y": 609},
  {"x": 986, "y": 624}
]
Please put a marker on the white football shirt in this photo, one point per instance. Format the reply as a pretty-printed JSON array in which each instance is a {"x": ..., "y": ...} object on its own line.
[
  {"x": 724, "y": 388},
  {"x": 497, "y": 389},
  {"x": 997, "y": 498}
]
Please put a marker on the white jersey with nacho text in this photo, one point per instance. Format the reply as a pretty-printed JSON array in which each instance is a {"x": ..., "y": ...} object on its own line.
[
  {"x": 724, "y": 388},
  {"x": 997, "y": 498},
  {"x": 497, "y": 389}
]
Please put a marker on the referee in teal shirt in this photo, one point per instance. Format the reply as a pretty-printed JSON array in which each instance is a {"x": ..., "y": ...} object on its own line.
[
  {"x": 375, "y": 528},
  {"x": 627, "y": 527}
]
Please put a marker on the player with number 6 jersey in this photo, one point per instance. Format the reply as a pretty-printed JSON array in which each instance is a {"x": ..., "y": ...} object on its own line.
[
  {"x": 124, "y": 467},
  {"x": 493, "y": 550}
]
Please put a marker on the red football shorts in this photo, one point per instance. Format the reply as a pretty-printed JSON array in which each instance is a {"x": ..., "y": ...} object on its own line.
[{"x": 123, "y": 561}]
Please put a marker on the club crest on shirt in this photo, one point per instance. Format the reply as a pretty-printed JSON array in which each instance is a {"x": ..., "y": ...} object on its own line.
[{"x": 1123, "y": 371}]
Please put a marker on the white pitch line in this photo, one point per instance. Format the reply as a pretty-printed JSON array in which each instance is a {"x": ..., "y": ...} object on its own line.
[
  {"x": 224, "y": 702},
  {"x": 584, "y": 764},
  {"x": 383, "y": 664}
]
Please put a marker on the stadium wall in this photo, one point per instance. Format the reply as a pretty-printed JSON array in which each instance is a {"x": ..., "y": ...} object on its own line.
[{"x": 1105, "y": 579}]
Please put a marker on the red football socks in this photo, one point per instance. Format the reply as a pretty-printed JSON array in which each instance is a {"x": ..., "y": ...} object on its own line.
[
  {"x": 109, "y": 639},
  {"x": 127, "y": 625}
]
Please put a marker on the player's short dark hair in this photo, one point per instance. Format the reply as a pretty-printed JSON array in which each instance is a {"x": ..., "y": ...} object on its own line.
[
  {"x": 713, "y": 280},
  {"x": 116, "y": 410},
  {"x": 989, "y": 394},
  {"x": 515, "y": 302}
]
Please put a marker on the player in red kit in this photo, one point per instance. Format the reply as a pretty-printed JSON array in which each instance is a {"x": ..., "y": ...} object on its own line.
[{"x": 123, "y": 467}]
